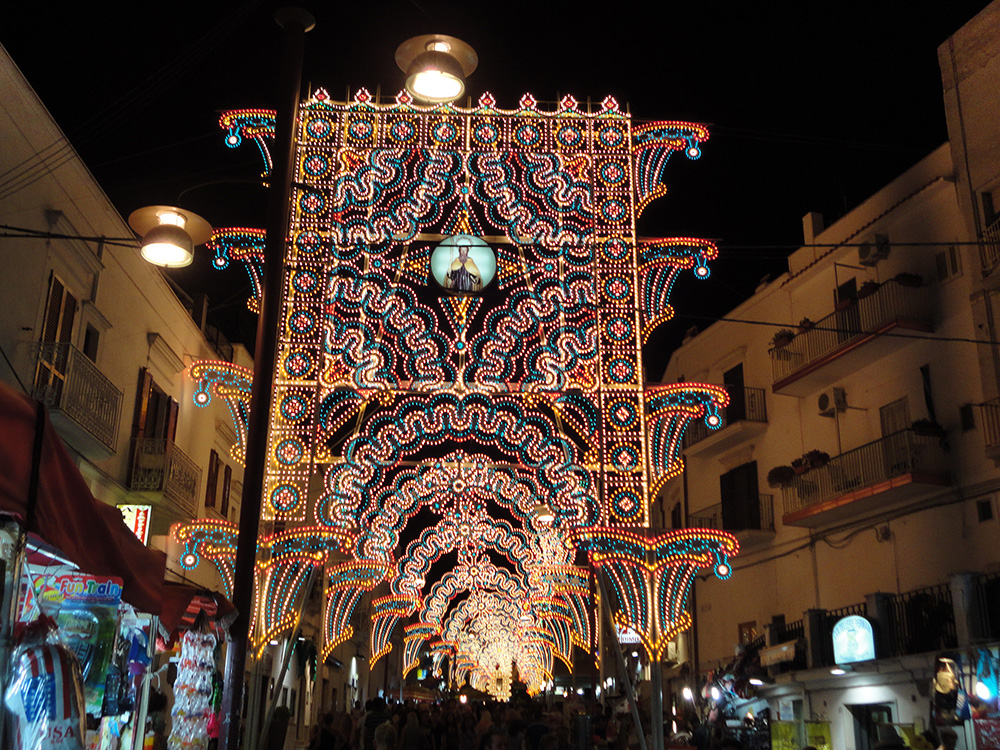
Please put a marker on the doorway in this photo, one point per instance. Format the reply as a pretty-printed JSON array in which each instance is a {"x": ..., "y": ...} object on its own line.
[{"x": 867, "y": 720}]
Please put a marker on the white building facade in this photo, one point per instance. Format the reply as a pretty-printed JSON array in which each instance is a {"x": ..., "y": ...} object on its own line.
[
  {"x": 103, "y": 338},
  {"x": 856, "y": 463}
]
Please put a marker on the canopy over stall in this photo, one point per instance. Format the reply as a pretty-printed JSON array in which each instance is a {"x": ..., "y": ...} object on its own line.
[{"x": 89, "y": 533}]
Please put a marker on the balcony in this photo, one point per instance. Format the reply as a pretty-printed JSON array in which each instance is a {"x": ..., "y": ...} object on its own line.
[
  {"x": 756, "y": 527},
  {"x": 874, "y": 477},
  {"x": 745, "y": 417},
  {"x": 914, "y": 622},
  {"x": 989, "y": 247},
  {"x": 848, "y": 339},
  {"x": 991, "y": 427},
  {"x": 159, "y": 466},
  {"x": 85, "y": 406}
]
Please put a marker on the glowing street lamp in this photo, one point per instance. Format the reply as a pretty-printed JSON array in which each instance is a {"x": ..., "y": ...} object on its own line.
[
  {"x": 436, "y": 66},
  {"x": 169, "y": 234},
  {"x": 544, "y": 514}
]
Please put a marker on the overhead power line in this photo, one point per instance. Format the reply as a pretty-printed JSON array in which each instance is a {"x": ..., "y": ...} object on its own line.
[{"x": 835, "y": 329}]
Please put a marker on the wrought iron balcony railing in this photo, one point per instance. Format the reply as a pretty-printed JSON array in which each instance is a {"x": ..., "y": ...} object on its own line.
[
  {"x": 989, "y": 247},
  {"x": 745, "y": 405},
  {"x": 160, "y": 466},
  {"x": 991, "y": 422},
  {"x": 903, "y": 452},
  {"x": 891, "y": 304},
  {"x": 68, "y": 381},
  {"x": 759, "y": 518}
]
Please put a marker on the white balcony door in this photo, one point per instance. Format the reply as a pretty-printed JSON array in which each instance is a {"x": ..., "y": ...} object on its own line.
[
  {"x": 895, "y": 417},
  {"x": 57, "y": 328}
]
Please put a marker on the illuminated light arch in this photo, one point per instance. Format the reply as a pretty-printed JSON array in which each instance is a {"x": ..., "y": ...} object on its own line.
[
  {"x": 660, "y": 262},
  {"x": 232, "y": 383},
  {"x": 413, "y": 639},
  {"x": 652, "y": 576},
  {"x": 417, "y": 423},
  {"x": 210, "y": 540},
  {"x": 387, "y": 611},
  {"x": 671, "y": 408},
  {"x": 539, "y": 335},
  {"x": 544, "y": 374}
]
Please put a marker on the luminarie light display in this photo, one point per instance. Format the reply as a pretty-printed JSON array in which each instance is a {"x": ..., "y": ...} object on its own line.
[{"x": 465, "y": 301}]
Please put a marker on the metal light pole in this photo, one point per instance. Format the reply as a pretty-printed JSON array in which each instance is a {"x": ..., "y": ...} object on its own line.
[{"x": 295, "y": 22}]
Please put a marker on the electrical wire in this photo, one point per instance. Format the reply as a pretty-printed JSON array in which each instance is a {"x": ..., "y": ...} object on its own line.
[
  {"x": 846, "y": 331},
  {"x": 104, "y": 121},
  {"x": 21, "y": 232}
]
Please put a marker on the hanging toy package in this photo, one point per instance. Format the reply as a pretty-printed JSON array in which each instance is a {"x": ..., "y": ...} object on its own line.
[
  {"x": 45, "y": 695},
  {"x": 193, "y": 692}
]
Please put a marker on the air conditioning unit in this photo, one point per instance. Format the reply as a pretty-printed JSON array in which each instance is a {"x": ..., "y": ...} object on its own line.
[
  {"x": 832, "y": 401},
  {"x": 869, "y": 254}
]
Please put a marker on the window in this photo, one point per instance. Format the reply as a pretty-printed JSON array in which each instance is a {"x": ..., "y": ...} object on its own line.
[
  {"x": 867, "y": 720},
  {"x": 984, "y": 508},
  {"x": 747, "y": 632},
  {"x": 155, "y": 411},
  {"x": 740, "y": 498},
  {"x": 227, "y": 480},
  {"x": 212, "y": 486},
  {"x": 675, "y": 516},
  {"x": 989, "y": 201},
  {"x": 90, "y": 341},
  {"x": 847, "y": 316},
  {"x": 894, "y": 416},
  {"x": 949, "y": 263},
  {"x": 732, "y": 379}
]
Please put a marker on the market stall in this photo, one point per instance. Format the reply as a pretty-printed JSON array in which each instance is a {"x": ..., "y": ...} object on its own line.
[{"x": 84, "y": 600}]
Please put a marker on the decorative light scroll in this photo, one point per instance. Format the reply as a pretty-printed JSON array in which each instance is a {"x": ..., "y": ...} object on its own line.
[
  {"x": 232, "y": 382},
  {"x": 255, "y": 124},
  {"x": 660, "y": 262},
  {"x": 652, "y": 575},
  {"x": 246, "y": 246},
  {"x": 655, "y": 143},
  {"x": 671, "y": 408}
]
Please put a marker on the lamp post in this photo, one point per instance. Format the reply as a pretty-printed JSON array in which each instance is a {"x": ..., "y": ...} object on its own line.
[{"x": 295, "y": 22}]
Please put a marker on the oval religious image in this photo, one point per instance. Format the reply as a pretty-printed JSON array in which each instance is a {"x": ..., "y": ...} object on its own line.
[{"x": 463, "y": 264}]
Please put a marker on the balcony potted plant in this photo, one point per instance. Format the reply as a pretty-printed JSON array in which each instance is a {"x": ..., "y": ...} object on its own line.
[
  {"x": 780, "y": 476},
  {"x": 927, "y": 428},
  {"x": 800, "y": 465},
  {"x": 816, "y": 458},
  {"x": 805, "y": 324},
  {"x": 868, "y": 289},
  {"x": 909, "y": 279},
  {"x": 782, "y": 338}
]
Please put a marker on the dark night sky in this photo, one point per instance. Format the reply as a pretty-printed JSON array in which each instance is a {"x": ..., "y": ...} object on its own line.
[{"x": 811, "y": 110}]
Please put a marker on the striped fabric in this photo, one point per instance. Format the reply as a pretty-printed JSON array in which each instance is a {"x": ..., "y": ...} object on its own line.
[{"x": 46, "y": 698}]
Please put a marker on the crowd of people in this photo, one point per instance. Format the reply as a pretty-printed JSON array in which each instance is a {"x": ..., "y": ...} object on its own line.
[{"x": 453, "y": 725}]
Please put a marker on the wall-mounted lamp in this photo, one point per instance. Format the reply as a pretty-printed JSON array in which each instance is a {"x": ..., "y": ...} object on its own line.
[{"x": 169, "y": 234}]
